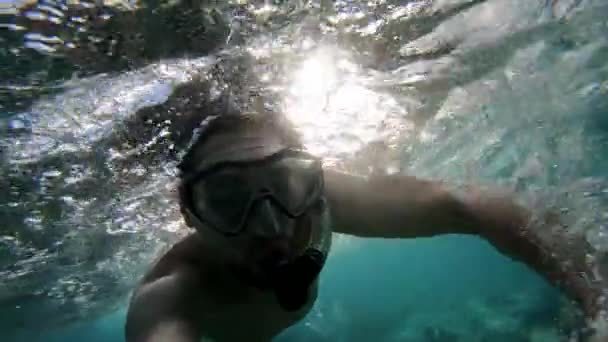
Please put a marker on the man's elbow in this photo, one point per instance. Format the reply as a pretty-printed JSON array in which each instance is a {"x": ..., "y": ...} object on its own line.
[{"x": 449, "y": 214}]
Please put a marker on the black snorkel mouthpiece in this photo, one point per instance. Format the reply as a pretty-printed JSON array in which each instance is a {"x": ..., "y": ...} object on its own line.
[{"x": 292, "y": 280}]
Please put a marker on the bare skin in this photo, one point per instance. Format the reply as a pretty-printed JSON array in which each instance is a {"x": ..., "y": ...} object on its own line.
[{"x": 188, "y": 294}]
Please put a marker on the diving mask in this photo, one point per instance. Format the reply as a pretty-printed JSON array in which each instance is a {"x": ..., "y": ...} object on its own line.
[{"x": 223, "y": 195}]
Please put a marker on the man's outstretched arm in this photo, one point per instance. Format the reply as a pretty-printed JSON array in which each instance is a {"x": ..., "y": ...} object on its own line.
[
  {"x": 395, "y": 206},
  {"x": 401, "y": 206}
]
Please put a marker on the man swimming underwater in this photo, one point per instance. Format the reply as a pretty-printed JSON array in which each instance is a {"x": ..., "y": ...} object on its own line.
[{"x": 264, "y": 211}]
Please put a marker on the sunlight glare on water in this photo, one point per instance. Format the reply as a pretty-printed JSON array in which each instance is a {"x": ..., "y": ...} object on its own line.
[{"x": 331, "y": 102}]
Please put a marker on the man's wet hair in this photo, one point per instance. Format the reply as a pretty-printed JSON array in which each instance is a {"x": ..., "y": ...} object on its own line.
[{"x": 239, "y": 124}]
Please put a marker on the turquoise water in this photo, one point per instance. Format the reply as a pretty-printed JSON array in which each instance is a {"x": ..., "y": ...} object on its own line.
[
  {"x": 507, "y": 92},
  {"x": 438, "y": 289}
]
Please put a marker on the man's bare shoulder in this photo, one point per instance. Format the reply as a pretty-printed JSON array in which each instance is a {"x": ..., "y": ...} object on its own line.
[
  {"x": 186, "y": 253},
  {"x": 169, "y": 297},
  {"x": 191, "y": 268}
]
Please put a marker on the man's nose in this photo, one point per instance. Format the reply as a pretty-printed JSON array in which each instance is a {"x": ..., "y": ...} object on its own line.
[{"x": 267, "y": 221}]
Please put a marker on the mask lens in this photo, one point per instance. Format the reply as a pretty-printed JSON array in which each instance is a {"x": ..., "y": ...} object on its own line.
[
  {"x": 296, "y": 184},
  {"x": 222, "y": 199}
]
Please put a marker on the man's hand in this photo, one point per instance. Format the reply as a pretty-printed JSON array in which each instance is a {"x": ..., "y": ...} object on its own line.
[{"x": 543, "y": 242}]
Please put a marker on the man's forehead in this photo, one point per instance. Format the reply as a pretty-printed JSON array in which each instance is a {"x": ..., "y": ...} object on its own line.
[
  {"x": 235, "y": 147},
  {"x": 233, "y": 139}
]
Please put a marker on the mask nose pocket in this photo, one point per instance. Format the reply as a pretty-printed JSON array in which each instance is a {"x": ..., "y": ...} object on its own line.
[{"x": 266, "y": 220}]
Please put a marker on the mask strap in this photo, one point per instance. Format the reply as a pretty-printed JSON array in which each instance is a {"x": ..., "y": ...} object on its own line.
[{"x": 320, "y": 239}]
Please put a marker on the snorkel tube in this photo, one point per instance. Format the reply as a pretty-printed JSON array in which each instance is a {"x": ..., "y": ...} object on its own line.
[{"x": 292, "y": 280}]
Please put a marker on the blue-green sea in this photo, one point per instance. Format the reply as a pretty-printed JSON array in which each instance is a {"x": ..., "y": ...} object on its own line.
[{"x": 99, "y": 100}]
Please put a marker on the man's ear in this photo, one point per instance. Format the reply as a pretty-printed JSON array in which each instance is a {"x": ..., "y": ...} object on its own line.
[
  {"x": 186, "y": 217},
  {"x": 183, "y": 203}
]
